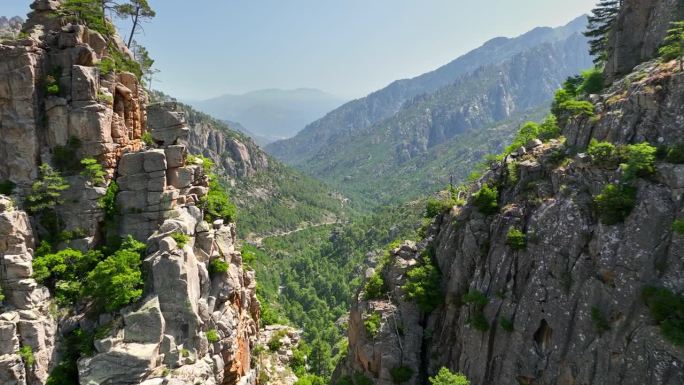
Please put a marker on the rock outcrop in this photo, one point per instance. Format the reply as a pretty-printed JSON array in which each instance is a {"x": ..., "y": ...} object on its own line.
[
  {"x": 639, "y": 32},
  {"x": 25, "y": 319},
  {"x": 60, "y": 100},
  {"x": 278, "y": 343},
  {"x": 567, "y": 306}
]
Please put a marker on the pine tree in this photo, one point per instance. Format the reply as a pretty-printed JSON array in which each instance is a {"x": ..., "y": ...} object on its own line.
[
  {"x": 46, "y": 192},
  {"x": 601, "y": 22},
  {"x": 673, "y": 47},
  {"x": 138, "y": 11}
]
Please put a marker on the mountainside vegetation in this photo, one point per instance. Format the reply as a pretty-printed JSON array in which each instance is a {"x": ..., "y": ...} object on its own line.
[{"x": 440, "y": 136}]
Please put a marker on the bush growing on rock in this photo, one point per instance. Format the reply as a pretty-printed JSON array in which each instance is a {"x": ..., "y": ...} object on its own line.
[
  {"x": 602, "y": 153},
  {"x": 218, "y": 266},
  {"x": 479, "y": 300},
  {"x": 216, "y": 203},
  {"x": 275, "y": 343},
  {"x": 93, "y": 171},
  {"x": 46, "y": 192},
  {"x": 667, "y": 308},
  {"x": 375, "y": 287},
  {"x": 678, "y": 226},
  {"x": 7, "y": 187},
  {"x": 486, "y": 200},
  {"x": 361, "y": 379},
  {"x": 423, "y": 285},
  {"x": 180, "y": 238},
  {"x": 62, "y": 271},
  {"x": 615, "y": 203},
  {"x": 26, "y": 354},
  {"x": 147, "y": 139},
  {"x": 592, "y": 81},
  {"x": 212, "y": 336},
  {"x": 401, "y": 374},
  {"x": 674, "y": 44},
  {"x": 516, "y": 239},
  {"x": 447, "y": 377},
  {"x": 639, "y": 160},
  {"x": 675, "y": 154},
  {"x": 600, "y": 322},
  {"x": 117, "y": 281},
  {"x": 372, "y": 324}
]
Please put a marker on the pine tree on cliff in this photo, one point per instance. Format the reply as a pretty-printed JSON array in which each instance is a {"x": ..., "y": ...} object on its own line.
[
  {"x": 138, "y": 11},
  {"x": 673, "y": 47},
  {"x": 600, "y": 24}
]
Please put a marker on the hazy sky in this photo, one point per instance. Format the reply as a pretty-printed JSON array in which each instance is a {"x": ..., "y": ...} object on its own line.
[{"x": 205, "y": 48}]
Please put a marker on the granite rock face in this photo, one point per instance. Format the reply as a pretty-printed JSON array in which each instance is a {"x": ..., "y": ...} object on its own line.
[
  {"x": 53, "y": 94},
  {"x": 568, "y": 307},
  {"x": 25, "y": 319},
  {"x": 639, "y": 32}
]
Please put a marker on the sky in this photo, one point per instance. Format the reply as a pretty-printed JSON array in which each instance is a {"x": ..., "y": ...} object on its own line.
[{"x": 349, "y": 48}]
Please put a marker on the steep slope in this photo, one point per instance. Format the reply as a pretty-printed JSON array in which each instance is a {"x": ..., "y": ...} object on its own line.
[
  {"x": 493, "y": 98},
  {"x": 86, "y": 207},
  {"x": 356, "y": 115},
  {"x": 271, "y": 197},
  {"x": 570, "y": 274},
  {"x": 274, "y": 114}
]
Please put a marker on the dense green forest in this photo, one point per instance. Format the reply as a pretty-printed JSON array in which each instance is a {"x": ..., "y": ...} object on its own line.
[{"x": 307, "y": 278}]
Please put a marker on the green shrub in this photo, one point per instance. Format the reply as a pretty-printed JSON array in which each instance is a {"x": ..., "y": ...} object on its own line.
[
  {"x": 673, "y": 47},
  {"x": 476, "y": 297},
  {"x": 87, "y": 12},
  {"x": 516, "y": 239},
  {"x": 486, "y": 200},
  {"x": 435, "y": 206},
  {"x": 212, "y": 336},
  {"x": 423, "y": 285},
  {"x": 46, "y": 192},
  {"x": 667, "y": 308},
  {"x": 147, "y": 138},
  {"x": 216, "y": 203},
  {"x": 678, "y": 226},
  {"x": 575, "y": 108},
  {"x": 675, "y": 154},
  {"x": 479, "y": 301},
  {"x": 105, "y": 98},
  {"x": 64, "y": 157},
  {"x": 117, "y": 281},
  {"x": 592, "y": 81},
  {"x": 615, "y": 203},
  {"x": 218, "y": 266},
  {"x": 7, "y": 187},
  {"x": 62, "y": 271},
  {"x": 108, "y": 201},
  {"x": 345, "y": 380},
  {"x": 512, "y": 173},
  {"x": 549, "y": 129},
  {"x": 361, "y": 379},
  {"x": 639, "y": 160},
  {"x": 2, "y": 296},
  {"x": 310, "y": 379},
  {"x": 401, "y": 374},
  {"x": 93, "y": 171},
  {"x": 275, "y": 343},
  {"x": 602, "y": 153},
  {"x": 600, "y": 321},
  {"x": 447, "y": 377},
  {"x": 180, "y": 238},
  {"x": 106, "y": 65},
  {"x": 372, "y": 324},
  {"x": 26, "y": 354},
  {"x": 506, "y": 324},
  {"x": 375, "y": 287},
  {"x": 527, "y": 132},
  {"x": 51, "y": 85}
]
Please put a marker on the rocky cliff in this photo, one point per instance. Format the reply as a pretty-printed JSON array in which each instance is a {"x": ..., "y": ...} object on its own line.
[
  {"x": 64, "y": 97},
  {"x": 544, "y": 289}
]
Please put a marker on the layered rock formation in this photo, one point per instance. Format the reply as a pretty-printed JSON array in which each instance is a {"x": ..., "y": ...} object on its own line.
[
  {"x": 192, "y": 324},
  {"x": 567, "y": 307}
]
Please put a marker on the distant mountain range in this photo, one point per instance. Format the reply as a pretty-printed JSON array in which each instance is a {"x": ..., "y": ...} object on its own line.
[
  {"x": 271, "y": 114},
  {"x": 431, "y": 126}
]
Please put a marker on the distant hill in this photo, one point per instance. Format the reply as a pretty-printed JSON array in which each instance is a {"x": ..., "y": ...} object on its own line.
[
  {"x": 272, "y": 113},
  {"x": 358, "y": 114},
  {"x": 443, "y": 133}
]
